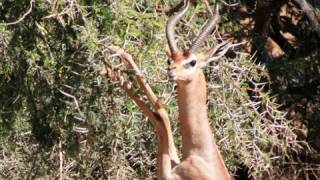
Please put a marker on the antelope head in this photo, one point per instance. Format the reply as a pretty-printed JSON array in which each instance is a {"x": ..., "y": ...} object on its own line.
[{"x": 184, "y": 66}]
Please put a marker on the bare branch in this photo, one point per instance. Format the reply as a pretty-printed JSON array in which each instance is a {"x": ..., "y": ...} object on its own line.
[
  {"x": 208, "y": 7},
  {"x": 23, "y": 17},
  {"x": 73, "y": 97},
  {"x": 309, "y": 12},
  {"x": 60, "y": 160},
  {"x": 229, "y": 4}
]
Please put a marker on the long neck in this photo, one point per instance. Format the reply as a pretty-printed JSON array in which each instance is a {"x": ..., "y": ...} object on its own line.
[
  {"x": 197, "y": 137},
  {"x": 196, "y": 132}
]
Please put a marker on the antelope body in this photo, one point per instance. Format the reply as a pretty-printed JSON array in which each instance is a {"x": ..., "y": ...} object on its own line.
[{"x": 201, "y": 159}]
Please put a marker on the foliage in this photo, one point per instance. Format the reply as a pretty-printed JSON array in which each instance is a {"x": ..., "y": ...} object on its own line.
[{"x": 59, "y": 117}]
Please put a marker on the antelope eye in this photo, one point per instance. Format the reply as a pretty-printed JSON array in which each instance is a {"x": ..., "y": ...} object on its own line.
[
  {"x": 193, "y": 62},
  {"x": 169, "y": 61}
]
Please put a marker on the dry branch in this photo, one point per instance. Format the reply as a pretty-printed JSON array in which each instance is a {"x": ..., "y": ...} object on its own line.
[
  {"x": 309, "y": 12},
  {"x": 23, "y": 16}
]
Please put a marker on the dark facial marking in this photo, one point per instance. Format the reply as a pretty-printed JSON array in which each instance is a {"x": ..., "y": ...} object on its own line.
[{"x": 193, "y": 62}]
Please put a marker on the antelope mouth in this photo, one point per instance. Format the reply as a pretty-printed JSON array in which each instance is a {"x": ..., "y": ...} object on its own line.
[{"x": 172, "y": 75}]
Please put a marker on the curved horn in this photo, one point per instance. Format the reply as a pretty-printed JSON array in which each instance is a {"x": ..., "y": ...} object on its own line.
[
  {"x": 170, "y": 28},
  {"x": 205, "y": 31}
]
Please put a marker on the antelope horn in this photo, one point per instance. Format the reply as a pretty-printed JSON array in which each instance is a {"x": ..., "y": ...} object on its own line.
[
  {"x": 205, "y": 31},
  {"x": 170, "y": 32}
]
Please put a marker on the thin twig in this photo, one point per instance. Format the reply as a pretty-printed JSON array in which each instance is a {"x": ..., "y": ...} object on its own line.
[
  {"x": 309, "y": 12},
  {"x": 208, "y": 6},
  {"x": 23, "y": 17},
  {"x": 228, "y": 4},
  {"x": 73, "y": 97},
  {"x": 61, "y": 160}
]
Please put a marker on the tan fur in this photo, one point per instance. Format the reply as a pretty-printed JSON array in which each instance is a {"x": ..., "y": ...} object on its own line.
[{"x": 201, "y": 157}]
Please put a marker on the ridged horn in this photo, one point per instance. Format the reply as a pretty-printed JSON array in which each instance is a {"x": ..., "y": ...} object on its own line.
[
  {"x": 170, "y": 28},
  {"x": 205, "y": 31}
]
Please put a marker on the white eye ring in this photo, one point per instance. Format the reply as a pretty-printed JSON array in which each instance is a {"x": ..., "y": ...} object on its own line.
[{"x": 190, "y": 63}]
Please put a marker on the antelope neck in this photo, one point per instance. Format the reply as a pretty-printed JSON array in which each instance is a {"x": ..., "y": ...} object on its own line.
[{"x": 196, "y": 132}]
